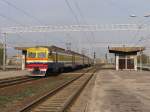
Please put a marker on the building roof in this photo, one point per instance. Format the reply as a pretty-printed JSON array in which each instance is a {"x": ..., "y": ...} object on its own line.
[{"x": 125, "y": 49}]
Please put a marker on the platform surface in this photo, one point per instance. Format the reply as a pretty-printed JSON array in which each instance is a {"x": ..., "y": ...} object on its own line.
[
  {"x": 13, "y": 73},
  {"x": 120, "y": 91}
]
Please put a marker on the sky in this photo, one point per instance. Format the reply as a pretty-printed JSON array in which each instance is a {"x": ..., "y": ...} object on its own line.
[{"x": 57, "y": 12}]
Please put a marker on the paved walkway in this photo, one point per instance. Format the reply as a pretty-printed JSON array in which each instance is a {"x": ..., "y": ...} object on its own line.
[
  {"x": 9, "y": 74},
  {"x": 120, "y": 91}
]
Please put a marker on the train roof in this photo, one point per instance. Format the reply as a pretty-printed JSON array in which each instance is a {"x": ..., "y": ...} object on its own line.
[{"x": 53, "y": 48}]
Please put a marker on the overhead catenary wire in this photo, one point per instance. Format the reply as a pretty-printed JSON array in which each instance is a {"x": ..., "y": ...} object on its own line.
[
  {"x": 142, "y": 39},
  {"x": 142, "y": 24},
  {"x": 83, "y": 17},
  {"x": 22, "y": 11},
  {"x": 75, "y": 16},
  {"x": 72, "y": 11},
  {"x": 10, "y": 19},
  {"x": 137, "y": 32},
  {"x": 114, "y": 4},
  {"x": 25, "y": 13},
  {"x": 79, "y": 10}
]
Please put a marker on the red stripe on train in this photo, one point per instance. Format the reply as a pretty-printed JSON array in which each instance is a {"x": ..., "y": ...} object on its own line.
[{"x": 37, "y": 65}]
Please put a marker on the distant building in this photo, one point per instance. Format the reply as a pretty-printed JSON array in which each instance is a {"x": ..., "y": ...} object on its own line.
[{"x": 126, "y": 57}]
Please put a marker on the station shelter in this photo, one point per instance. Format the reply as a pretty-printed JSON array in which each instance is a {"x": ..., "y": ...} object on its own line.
[{"x": 126, "y": 57}]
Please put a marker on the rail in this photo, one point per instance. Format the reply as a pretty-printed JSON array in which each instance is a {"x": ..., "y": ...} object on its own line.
[
  {"x": 59, "y": 99},
  {"x": 15, "y": 81}
]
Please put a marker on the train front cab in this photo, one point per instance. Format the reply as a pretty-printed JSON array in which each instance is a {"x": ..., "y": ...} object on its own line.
[{"x": 37, "y": 61}]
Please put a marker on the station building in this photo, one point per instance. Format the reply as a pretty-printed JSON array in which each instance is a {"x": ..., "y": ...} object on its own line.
[{"x": 126, "y": 57}]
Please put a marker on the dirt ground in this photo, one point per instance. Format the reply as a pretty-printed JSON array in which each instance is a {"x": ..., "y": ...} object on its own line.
[{"x": 120, "y": 91}]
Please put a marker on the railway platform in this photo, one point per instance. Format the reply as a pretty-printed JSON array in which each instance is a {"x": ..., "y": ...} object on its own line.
[
  {"x": 120, "y": 91},
  {"x": 12, "y": 73}
]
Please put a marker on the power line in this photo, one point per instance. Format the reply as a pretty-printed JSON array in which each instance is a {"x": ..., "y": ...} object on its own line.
[
  {"x": 10, "y": 19},
  {"x": 142, "y": 39},
  {"x": 83, "y": 17},
  {"x": 75, "y": 16},
  {"x": 21, "y": 10},
  {"x": 138, "y": 31},
  {"x": 24, "y": 12},
  {"x": 80, "y": 12},
  {"x": 72, "y": 11},
  {"x": 114, "y": 4}
]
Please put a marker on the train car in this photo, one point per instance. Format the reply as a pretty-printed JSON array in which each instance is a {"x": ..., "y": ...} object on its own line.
[{"x": 42, "y": 60}]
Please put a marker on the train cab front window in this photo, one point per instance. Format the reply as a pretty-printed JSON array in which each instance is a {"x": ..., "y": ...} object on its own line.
[
  {"x": 41, "y": 55},
  {"x": 31, "y": 55}
]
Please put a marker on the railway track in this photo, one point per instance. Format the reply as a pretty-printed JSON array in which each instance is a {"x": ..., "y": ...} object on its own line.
[
  {"x": 14, "y": 81},
  {"x": 59, "y": 99}
]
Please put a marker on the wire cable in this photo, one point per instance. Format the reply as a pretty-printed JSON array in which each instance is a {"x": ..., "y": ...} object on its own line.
[
  {"x": 24, "y": 12},
  {"x": 21, "y": 10},
  {"x": 72, "y": 11},
  {"x": 83, "y": 17},
  {"x": 76, "y": 18},
  {"x": 10, "y": 19}
]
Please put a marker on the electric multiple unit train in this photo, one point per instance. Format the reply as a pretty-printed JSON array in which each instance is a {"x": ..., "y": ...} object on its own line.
[{"x": 43, "y": 60}]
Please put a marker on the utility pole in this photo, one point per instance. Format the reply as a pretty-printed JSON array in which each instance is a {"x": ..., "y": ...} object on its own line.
[
  {"x": 4, "y": 51},
  {"x": 94, "y": 57},
  {"x": 141, "y": 60},
  {"x": 106, "y": 58}
]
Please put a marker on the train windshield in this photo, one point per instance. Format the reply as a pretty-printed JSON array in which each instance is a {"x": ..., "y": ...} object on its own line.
[
  {"x": 41, "y": 55},
  {"x": 31, "y": 54}
]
